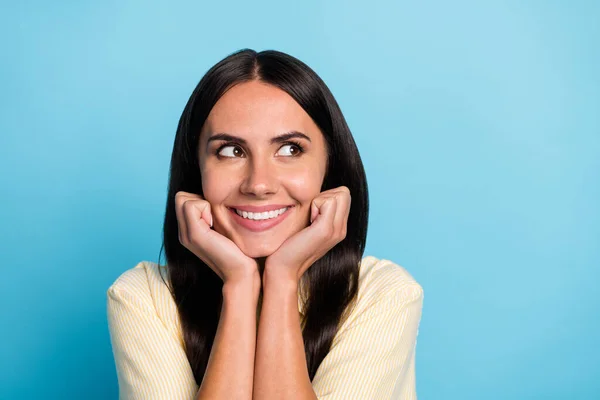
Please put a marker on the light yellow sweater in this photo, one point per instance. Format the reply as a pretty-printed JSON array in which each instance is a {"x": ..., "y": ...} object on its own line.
[{"x": 372, "y": 355}]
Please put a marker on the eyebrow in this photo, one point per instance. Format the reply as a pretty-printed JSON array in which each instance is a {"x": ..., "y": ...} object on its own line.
[{"x": 277, "y": 139}]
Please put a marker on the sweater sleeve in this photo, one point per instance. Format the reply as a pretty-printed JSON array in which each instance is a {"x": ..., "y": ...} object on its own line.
[
  {"x": 151, "y": 363},
  {"x": 374, "y": 357}
]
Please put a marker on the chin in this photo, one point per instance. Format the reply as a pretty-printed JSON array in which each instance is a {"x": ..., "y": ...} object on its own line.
[{"x": 257, "y": 250}]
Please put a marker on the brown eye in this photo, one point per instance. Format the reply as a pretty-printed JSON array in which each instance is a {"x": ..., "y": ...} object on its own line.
[
  {"x": 230, "y": 151},
  {"x": 291, "y": 150}
]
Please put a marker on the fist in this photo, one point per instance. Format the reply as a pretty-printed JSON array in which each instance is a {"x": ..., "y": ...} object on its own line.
[{"x": 195, "y": 221}]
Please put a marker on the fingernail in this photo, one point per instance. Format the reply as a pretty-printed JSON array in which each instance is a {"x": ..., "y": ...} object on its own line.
[{"x": 211, "y": 221}]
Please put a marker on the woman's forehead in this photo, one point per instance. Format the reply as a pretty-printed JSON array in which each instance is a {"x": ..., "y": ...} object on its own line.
[{"x": 258, "y": 110}]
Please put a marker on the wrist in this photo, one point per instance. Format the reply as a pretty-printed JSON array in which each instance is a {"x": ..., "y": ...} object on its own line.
[
  {"x": 246, "y": 286},
  {"x": 280, "y": 279}
]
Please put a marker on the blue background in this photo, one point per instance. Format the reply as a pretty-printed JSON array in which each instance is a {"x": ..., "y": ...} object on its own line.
[{"x": 478, "y": 123}]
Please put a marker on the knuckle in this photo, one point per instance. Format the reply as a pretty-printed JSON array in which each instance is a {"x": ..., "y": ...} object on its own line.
[
  {"x": 183, "y": 204},
  {"x": 180, "y": 196},
  {"x": 188, "y": 206}
]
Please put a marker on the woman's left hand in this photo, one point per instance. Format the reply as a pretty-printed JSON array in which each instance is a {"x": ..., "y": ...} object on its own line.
[{"x": 329, "y": 220}]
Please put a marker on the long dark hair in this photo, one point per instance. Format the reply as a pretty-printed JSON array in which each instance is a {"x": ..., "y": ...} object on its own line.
[{"x": 332, "y": 282}]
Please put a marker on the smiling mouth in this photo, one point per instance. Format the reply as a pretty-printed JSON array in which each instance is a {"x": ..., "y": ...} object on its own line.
[
  {"x": 260, "y": 216},
  {"x": 257, "y": 222}
]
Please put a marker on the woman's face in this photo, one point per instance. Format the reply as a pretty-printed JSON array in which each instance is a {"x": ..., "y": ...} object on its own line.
[{"x": 247, "y": 162}]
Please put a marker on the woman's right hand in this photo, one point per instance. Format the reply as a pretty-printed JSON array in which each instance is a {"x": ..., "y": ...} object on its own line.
[{"x": 194, "y": 219}]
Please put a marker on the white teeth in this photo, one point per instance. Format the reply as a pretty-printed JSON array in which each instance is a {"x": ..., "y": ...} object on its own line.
[{"x": 261, "y": 216}]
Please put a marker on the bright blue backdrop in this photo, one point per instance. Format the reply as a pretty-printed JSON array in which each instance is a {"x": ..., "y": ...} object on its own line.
[{"x": 478, "y": 123}]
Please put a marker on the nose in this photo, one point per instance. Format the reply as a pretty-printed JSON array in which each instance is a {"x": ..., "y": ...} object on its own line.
[{"x": 260, "y": 180}]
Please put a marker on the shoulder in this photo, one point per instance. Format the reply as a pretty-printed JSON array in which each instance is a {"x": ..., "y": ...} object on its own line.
[
  {"x": 383, "y": 286},
  {"x": 140, "y": 277},
  {"x": 146, "y": 285},
  {"x": 380, "y": 279},
  {"x": 146, "y": 288}
]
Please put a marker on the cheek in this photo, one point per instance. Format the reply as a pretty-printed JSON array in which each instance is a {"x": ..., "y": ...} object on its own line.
[
  {"x": 215, "y": 187},
  {"x": 305, "y": 185}
]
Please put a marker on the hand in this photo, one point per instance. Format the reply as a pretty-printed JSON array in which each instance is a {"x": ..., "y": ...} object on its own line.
[
  {"x": 194, "y": 219},
  {"x": 329, "y": 220}
]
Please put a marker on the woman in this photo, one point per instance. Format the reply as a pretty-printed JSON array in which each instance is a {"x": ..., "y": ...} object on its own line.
[{"x": 265, "y": 293}]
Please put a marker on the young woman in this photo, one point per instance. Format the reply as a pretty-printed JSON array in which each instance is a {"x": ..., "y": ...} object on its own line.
[{"x": 265, "y": 293}]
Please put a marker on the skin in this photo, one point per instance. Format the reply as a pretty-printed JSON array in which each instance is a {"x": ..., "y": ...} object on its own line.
[
  {"x": 267, "y": 362},
  {"x": 261, "y": 173}
]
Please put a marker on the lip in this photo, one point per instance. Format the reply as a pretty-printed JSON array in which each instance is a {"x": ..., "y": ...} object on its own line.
[
  {"x": 263, "y": 225},
  {"x": 270, "y": 207}
]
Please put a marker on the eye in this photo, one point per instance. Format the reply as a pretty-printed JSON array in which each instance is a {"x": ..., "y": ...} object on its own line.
[
  {"x": 291, "y": 150},
  {"x": 230, "y": 151}
]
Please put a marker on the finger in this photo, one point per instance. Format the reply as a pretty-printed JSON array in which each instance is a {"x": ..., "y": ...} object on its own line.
[
  {"x": 180, "y": 197},
  {"x": 335, "y": 191},
  {"x": 316, "y": 205},
  {"x": 197, "y": 216},
  {"x": 340, "y": 190},
  {"x": 189, "y": 195},
  {"x": 314, "y": 211},
  {"x": 327, "y": 208},
  {"x": 314, "y": 241},
  {"x": 343, "y": 200},
  {"x": 196, "y": 213},
  {"x": 206, "y": 214}
]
